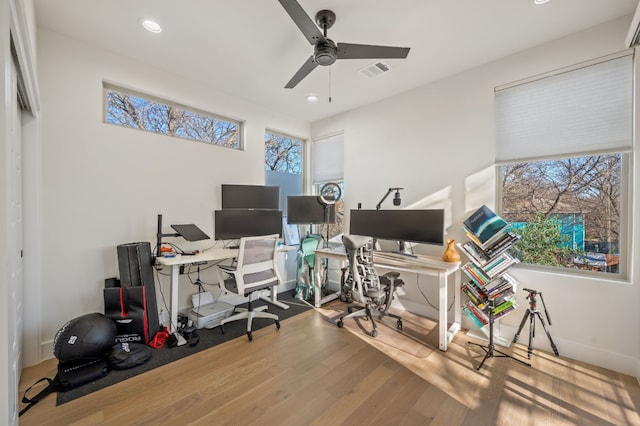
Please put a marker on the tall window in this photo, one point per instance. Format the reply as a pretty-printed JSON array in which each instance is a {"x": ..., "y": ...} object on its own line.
[
  {"x": 137, "y": 111},
  {"x": 283, "y": 163},
  {"x": 328, "y": 166},
  {"x": 563, "y": 143}
]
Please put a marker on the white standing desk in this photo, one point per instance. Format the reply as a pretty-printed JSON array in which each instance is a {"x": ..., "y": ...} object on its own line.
[
  {"x": 421, "y": 264},
  {"x": 214, "y": 254},
  {"x": 210, "y": 255}
]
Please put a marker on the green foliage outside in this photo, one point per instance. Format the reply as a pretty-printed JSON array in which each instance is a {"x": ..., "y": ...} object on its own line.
[{"x": 542, "y": 243}]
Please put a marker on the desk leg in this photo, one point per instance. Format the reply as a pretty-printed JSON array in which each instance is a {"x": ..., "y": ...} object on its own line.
[
  {"x": 274, "y": 298},
  {"x": 317, "y": 282},
  {"x": 175, "y": 284},
  {"x": 442, "y": 311}
]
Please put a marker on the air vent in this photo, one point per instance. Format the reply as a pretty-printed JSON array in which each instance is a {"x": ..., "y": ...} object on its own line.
[{"x": 375, "y": 69}]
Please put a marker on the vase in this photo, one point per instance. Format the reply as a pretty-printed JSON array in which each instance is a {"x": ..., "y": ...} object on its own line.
[{"x": 450, "y": 254}]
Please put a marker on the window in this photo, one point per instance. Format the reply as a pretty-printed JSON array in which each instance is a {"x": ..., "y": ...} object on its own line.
[
  {"x": 328, "y": 166},
  {"x": 567, "y": 211},
  {"x": 563, "y": 143},
  {"x": 137, "y": 111},
  {"x": 283, "y": 163}
]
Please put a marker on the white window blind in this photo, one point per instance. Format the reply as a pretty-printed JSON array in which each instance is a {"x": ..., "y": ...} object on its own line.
[
  {"x": 328, "y": 159},
  {"x": 584, "y": 110}
]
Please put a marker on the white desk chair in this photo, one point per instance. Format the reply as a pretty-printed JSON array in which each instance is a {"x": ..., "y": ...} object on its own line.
[{"x": 255, "y": 270}]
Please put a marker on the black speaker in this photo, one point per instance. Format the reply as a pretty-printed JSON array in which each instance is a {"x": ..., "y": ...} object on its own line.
[{"x": 136, "y": 269}]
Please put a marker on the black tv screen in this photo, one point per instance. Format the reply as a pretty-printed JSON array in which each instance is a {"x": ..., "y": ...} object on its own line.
[
  {"x": 308, "y": 209},
  {"x": 424, "y": 226},
  {"x": 250, "y": 197},
  {"x": 234, "y": 224}
]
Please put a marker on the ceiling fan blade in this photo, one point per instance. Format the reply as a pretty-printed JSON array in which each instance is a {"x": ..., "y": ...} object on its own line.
[
  {"x": 366, "y": 51},
  {"x": 302, "y": 20},
  {"x": 304, "y": 71}
]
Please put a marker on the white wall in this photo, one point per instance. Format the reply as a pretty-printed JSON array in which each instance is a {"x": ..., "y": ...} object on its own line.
[
  {"x": 105, "y": 185},
  {"x": 437, "y": 141}
]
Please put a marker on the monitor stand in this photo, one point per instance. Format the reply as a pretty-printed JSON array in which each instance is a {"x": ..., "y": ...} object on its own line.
[{"x": 402, "y": 249}]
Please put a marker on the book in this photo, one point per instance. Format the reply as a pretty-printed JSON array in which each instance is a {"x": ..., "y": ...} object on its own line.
[
  {"x": 485, "y": 226},
  {"x": 476, "y": 297},
  {"x": 470, "y": 314}
]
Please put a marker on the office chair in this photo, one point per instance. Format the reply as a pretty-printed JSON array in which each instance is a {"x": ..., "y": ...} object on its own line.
[
  {"x": 363, "y": 285},
  {"x": 255, "y": 270},
  {"x": 305, "y": 282}
]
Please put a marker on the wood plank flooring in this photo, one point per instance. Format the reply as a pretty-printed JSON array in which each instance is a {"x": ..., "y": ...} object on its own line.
[{"x": 312, "y": 373}]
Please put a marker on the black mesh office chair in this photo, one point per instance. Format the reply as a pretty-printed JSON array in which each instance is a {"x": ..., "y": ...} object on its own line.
[
  {"x": 255, "y": 270},
  {"x": 362, "y": 284}
]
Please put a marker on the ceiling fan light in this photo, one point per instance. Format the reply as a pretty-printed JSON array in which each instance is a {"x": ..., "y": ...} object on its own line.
[
  {"x": 539, "y": 2},
  {"x": 312, "y": 98}
]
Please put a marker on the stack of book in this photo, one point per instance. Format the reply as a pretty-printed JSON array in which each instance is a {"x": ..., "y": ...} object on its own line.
[{"x": 489, "y": 284}]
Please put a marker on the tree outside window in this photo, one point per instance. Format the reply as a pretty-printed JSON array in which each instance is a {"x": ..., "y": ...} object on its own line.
[
  {"x": 567, "y": 211},
  {"x": 138, "y": 112}
]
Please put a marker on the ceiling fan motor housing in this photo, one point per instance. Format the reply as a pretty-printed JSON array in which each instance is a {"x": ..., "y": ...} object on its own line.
[{"x": 325, "y": 53}]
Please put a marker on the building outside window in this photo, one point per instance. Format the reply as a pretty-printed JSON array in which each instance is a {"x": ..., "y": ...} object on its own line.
[
  {"x": 134, "y": 110},
  {"x": 563, "y": 144}
]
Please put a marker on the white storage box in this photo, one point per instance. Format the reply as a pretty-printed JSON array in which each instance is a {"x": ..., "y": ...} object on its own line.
[{"x": 209, "y": 316}]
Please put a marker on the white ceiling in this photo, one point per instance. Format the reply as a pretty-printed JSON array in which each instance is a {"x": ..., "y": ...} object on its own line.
[{"x": 251, "y": 48}]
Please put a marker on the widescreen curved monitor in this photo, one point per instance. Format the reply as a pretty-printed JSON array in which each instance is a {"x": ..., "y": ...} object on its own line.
[{"x": 424, "y": 226}]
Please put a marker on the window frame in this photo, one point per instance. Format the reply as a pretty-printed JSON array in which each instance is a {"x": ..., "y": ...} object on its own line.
[{"x": 107, "y": 86}]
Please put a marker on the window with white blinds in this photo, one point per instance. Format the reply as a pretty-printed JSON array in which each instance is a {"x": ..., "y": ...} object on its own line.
[{"x": 328, "y": 159}]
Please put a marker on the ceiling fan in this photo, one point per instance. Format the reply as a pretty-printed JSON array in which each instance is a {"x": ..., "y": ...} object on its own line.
[{"x": 325, "y": 51}]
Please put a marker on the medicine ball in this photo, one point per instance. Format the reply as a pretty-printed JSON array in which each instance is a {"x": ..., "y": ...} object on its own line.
[{"x": 88, "y": 336}]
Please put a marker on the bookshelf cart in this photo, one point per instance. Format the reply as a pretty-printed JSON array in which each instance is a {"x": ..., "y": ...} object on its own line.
[{"x": 490, "y": 289}]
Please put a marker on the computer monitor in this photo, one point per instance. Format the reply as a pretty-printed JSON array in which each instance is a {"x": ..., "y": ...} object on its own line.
[
  {"x": 424, "y": 226},
  {"x": 308, "y": 209},
  {"x": 232, "y": 224},
  {"x": 250, "y": 197},
  {"x": 190, "y": 232}
]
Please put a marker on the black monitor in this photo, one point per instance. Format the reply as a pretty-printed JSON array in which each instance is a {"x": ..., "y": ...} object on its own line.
[
  {"x": 424, "y": 226},
  {"x": 250, "y": 197},
  {"x": 308, "y": 209},
  {"x": 234, "y": 224}
]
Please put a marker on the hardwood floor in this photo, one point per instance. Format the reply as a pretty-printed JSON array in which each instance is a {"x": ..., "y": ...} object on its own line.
[{"x": 311, "y": 372}]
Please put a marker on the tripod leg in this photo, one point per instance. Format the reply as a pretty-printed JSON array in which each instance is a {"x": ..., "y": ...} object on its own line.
[
  {"x": 553, "y": 345},
  {"x": 532, "y": 326},
  {"x": 524, "y": 319}
]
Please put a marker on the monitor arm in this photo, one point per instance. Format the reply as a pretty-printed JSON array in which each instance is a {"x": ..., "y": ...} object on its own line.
[
  {"x": 396, "y": 199},
  {"x": 160, "y": 235}
]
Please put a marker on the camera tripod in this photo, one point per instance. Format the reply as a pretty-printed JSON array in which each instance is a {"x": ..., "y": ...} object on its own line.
[
  {"x": 490, "y": 350},
  {"x": 531, "y": 313}
]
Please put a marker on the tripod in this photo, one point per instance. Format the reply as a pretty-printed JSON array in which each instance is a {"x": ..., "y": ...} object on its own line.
[
  {"x": 532, "y": 312},
  {"x": 490, "y": 350}
]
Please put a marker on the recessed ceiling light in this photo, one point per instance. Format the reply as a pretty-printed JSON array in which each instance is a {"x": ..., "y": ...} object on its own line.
[
  {"x": 539, "y": 2},
  {"x": 150, "y": 25},
  {"x": 312, "y": 98}
]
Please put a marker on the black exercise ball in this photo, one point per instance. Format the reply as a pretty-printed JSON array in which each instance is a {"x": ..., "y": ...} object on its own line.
[{"x": 88, "y": 336}]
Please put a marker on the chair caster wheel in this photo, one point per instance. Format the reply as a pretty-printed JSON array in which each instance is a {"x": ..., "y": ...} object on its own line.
[
  {"x": 374, "y": 333},
  {"x": 350, "y": 309},
  {"x": 399, "y": 325},
  {"x": 278, "y": 324},
  {"x": 340, "y": 324},
  {"x": 250, "y": 336}
]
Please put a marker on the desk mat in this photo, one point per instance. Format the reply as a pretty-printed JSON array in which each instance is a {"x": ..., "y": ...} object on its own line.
[
  {"x": 418, "y": 337},
  {"x": 208, "y": 339}
]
